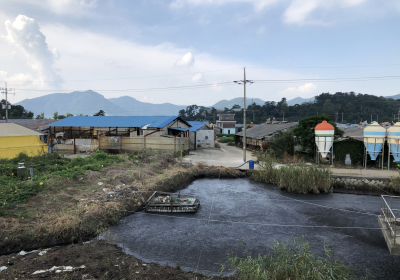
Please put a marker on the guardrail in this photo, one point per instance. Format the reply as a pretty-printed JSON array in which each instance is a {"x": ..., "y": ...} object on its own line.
[{"x": 390, "y": 206}]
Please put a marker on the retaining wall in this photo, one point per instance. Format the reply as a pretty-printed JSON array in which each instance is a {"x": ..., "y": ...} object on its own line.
[{"x": 358, "y": 183}]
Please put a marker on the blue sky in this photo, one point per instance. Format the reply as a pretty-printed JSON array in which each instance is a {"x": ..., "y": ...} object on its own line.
[{"x": 115, "y": 45}]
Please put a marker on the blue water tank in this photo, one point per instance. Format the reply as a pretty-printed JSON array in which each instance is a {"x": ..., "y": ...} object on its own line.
[{"x": 251, "y": 164}]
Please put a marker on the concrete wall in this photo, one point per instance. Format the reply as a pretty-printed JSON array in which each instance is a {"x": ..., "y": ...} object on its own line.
[
  {"x": 82, "y": 145},
  {"x": 228, "y": 130},
  {"x": 200, "y": 137},
  {"x": 141, "y": 143},
  {"x": 356, "y": 183}
]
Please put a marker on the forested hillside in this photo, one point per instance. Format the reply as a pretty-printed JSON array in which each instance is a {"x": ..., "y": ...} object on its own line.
[{"x": 350, "y": 106}]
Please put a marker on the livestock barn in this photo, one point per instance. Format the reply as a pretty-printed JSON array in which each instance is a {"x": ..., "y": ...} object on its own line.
[
  {"x": 259, "y": 136},
  {"x": 79, "y": 134}
]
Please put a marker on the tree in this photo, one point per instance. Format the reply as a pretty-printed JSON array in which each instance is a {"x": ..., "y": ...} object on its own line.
[
  {"x": 283, "y": 142},
  {"x": 100, "y": 113},
  {"x": 305, "y": 131},
  {"x": 69, "y": 115},
  {"x": 283, "y": 107},
  {"x": 60, "y": 117},
  {"x": 55, "y": 115},
  {"x": 40, "y": 117}
]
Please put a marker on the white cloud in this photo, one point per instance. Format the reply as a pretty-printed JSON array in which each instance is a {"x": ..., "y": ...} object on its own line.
[
  {"x": 186, "y": 61},
  {"x": 299, "y": 11},
  {"x": 303, "y": 90},
  {"x": 258, "y": 4},
  {"x": 261, "y": 30},
  {"x": 24, "y": 33},
  {"x": 197, "y": 77},
  {"x": 70, "y": 6}
]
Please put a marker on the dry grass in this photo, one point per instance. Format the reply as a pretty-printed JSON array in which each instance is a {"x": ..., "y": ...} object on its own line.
[{"x": 72, "y": 210}]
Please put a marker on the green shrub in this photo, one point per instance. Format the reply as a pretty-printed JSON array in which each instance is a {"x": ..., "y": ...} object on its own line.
[
  {"x": 291, "y": 261},
  {"x": 226, "y": 139},
  {"x": 283, "y": 142},
  {"x": 222, "y": 135}
]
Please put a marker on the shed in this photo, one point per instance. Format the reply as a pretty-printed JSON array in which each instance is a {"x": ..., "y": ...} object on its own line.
[
  {"x": 259, "y": 136},
  {"x": 201, "y": 135},
  {"x": 123, "y": 133},
  {"x": 15, "y": 139}
]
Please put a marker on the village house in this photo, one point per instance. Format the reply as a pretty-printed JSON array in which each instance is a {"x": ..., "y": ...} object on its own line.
[
  {"x": 259, "y": 136},
  {"x": 226, "y": 124}
]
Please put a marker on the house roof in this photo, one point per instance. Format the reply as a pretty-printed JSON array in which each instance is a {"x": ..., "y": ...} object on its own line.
[
  {"x": 34, "y": 124},
  {"x": 12, "y": 129},
  {"x": 114, "y": 121},
  {"x": 266, "y": 129},
  {"x": 196, "y": 125},
  {"x": 354, "y": 132}
]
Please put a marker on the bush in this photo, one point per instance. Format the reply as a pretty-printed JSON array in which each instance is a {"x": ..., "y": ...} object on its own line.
[
  {"x": 291, "y": 261},
  {"x": 300, "y": 179},
  {"x": 282, "y": 143},
  {"x": 226, "y": 139},
  {"x": 222, "y": 135}
]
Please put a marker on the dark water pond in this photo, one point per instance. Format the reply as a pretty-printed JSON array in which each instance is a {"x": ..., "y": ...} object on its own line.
[{"x": 237, "y": 210}]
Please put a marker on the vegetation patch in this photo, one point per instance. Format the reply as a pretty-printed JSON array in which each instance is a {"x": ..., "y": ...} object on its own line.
[
  {"x": 291, "y": 261},
  {"x": 226, "y": 140},
  {"x": 299, "y": 178}
]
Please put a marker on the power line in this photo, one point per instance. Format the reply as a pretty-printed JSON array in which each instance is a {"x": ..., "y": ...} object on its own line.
[
  {"x": 127, "y": 78},
  {"x": 140, "y": 90},
  {"x": 327, "y": 67},
  {"x": 329, "y": 79}
]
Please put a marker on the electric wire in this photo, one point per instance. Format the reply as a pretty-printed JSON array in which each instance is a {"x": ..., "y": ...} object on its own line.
[
  {"x": 126, "y": 78},
  {"x": 310, "y": 203}
]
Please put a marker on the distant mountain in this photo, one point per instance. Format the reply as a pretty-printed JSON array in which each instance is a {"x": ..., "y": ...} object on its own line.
[
  {"x": 237, "y": 101},
  {"x": 395, "y": 97},
  {"x": 86, "y": 102},
  {"x": 138, "y": 108},
  {"x": 299, "y": 100}
]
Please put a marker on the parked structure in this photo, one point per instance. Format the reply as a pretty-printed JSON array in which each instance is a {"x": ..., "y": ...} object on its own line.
[
  {"x": 260, "y": 135},
  {"x": 120, "y": 133},
  {"x": 15, "y": 139},
  {"x": 202, "y": 135},
  {"x": 226, "y": 123}
]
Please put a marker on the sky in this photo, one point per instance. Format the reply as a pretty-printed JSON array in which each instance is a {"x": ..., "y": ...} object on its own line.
[{"x": 191, "y": 51}]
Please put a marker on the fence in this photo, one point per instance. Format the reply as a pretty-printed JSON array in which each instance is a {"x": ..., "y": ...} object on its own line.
[
  {"x": 390, "y": 206},
  {"x": 143, "y": 143}
]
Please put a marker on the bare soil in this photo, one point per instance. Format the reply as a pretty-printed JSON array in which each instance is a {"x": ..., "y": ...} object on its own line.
[{"x": 94, "y": 260}]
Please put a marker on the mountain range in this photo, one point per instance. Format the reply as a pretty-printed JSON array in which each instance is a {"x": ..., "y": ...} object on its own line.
[{"x": 90, "y": 102}]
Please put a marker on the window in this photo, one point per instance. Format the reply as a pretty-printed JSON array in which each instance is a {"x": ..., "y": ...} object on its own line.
[{"x": 139, "y": 132}]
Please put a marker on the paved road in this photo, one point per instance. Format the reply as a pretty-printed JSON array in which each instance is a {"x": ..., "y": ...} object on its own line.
[
  {"x": 236, "y": 210},
  {"x": 228, "y": 156}
]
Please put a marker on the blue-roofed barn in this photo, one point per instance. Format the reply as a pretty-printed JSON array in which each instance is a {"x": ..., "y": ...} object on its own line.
[
  {"x": 202, "y": 135},
  {"x": 123, "y": 133}
]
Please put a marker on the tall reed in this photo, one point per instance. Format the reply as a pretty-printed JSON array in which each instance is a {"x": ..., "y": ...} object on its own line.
[{"x": 294, "y": 178}]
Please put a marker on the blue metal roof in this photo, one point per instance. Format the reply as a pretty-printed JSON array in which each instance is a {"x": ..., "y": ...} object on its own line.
[
  {"x": 196, "y": 125},
  {"x": 114, "y": 121}
]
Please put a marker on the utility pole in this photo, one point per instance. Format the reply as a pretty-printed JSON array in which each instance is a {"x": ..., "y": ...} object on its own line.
[
  {"x": 244, "y": 82},
  {"x": 5, "y": 91}
]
